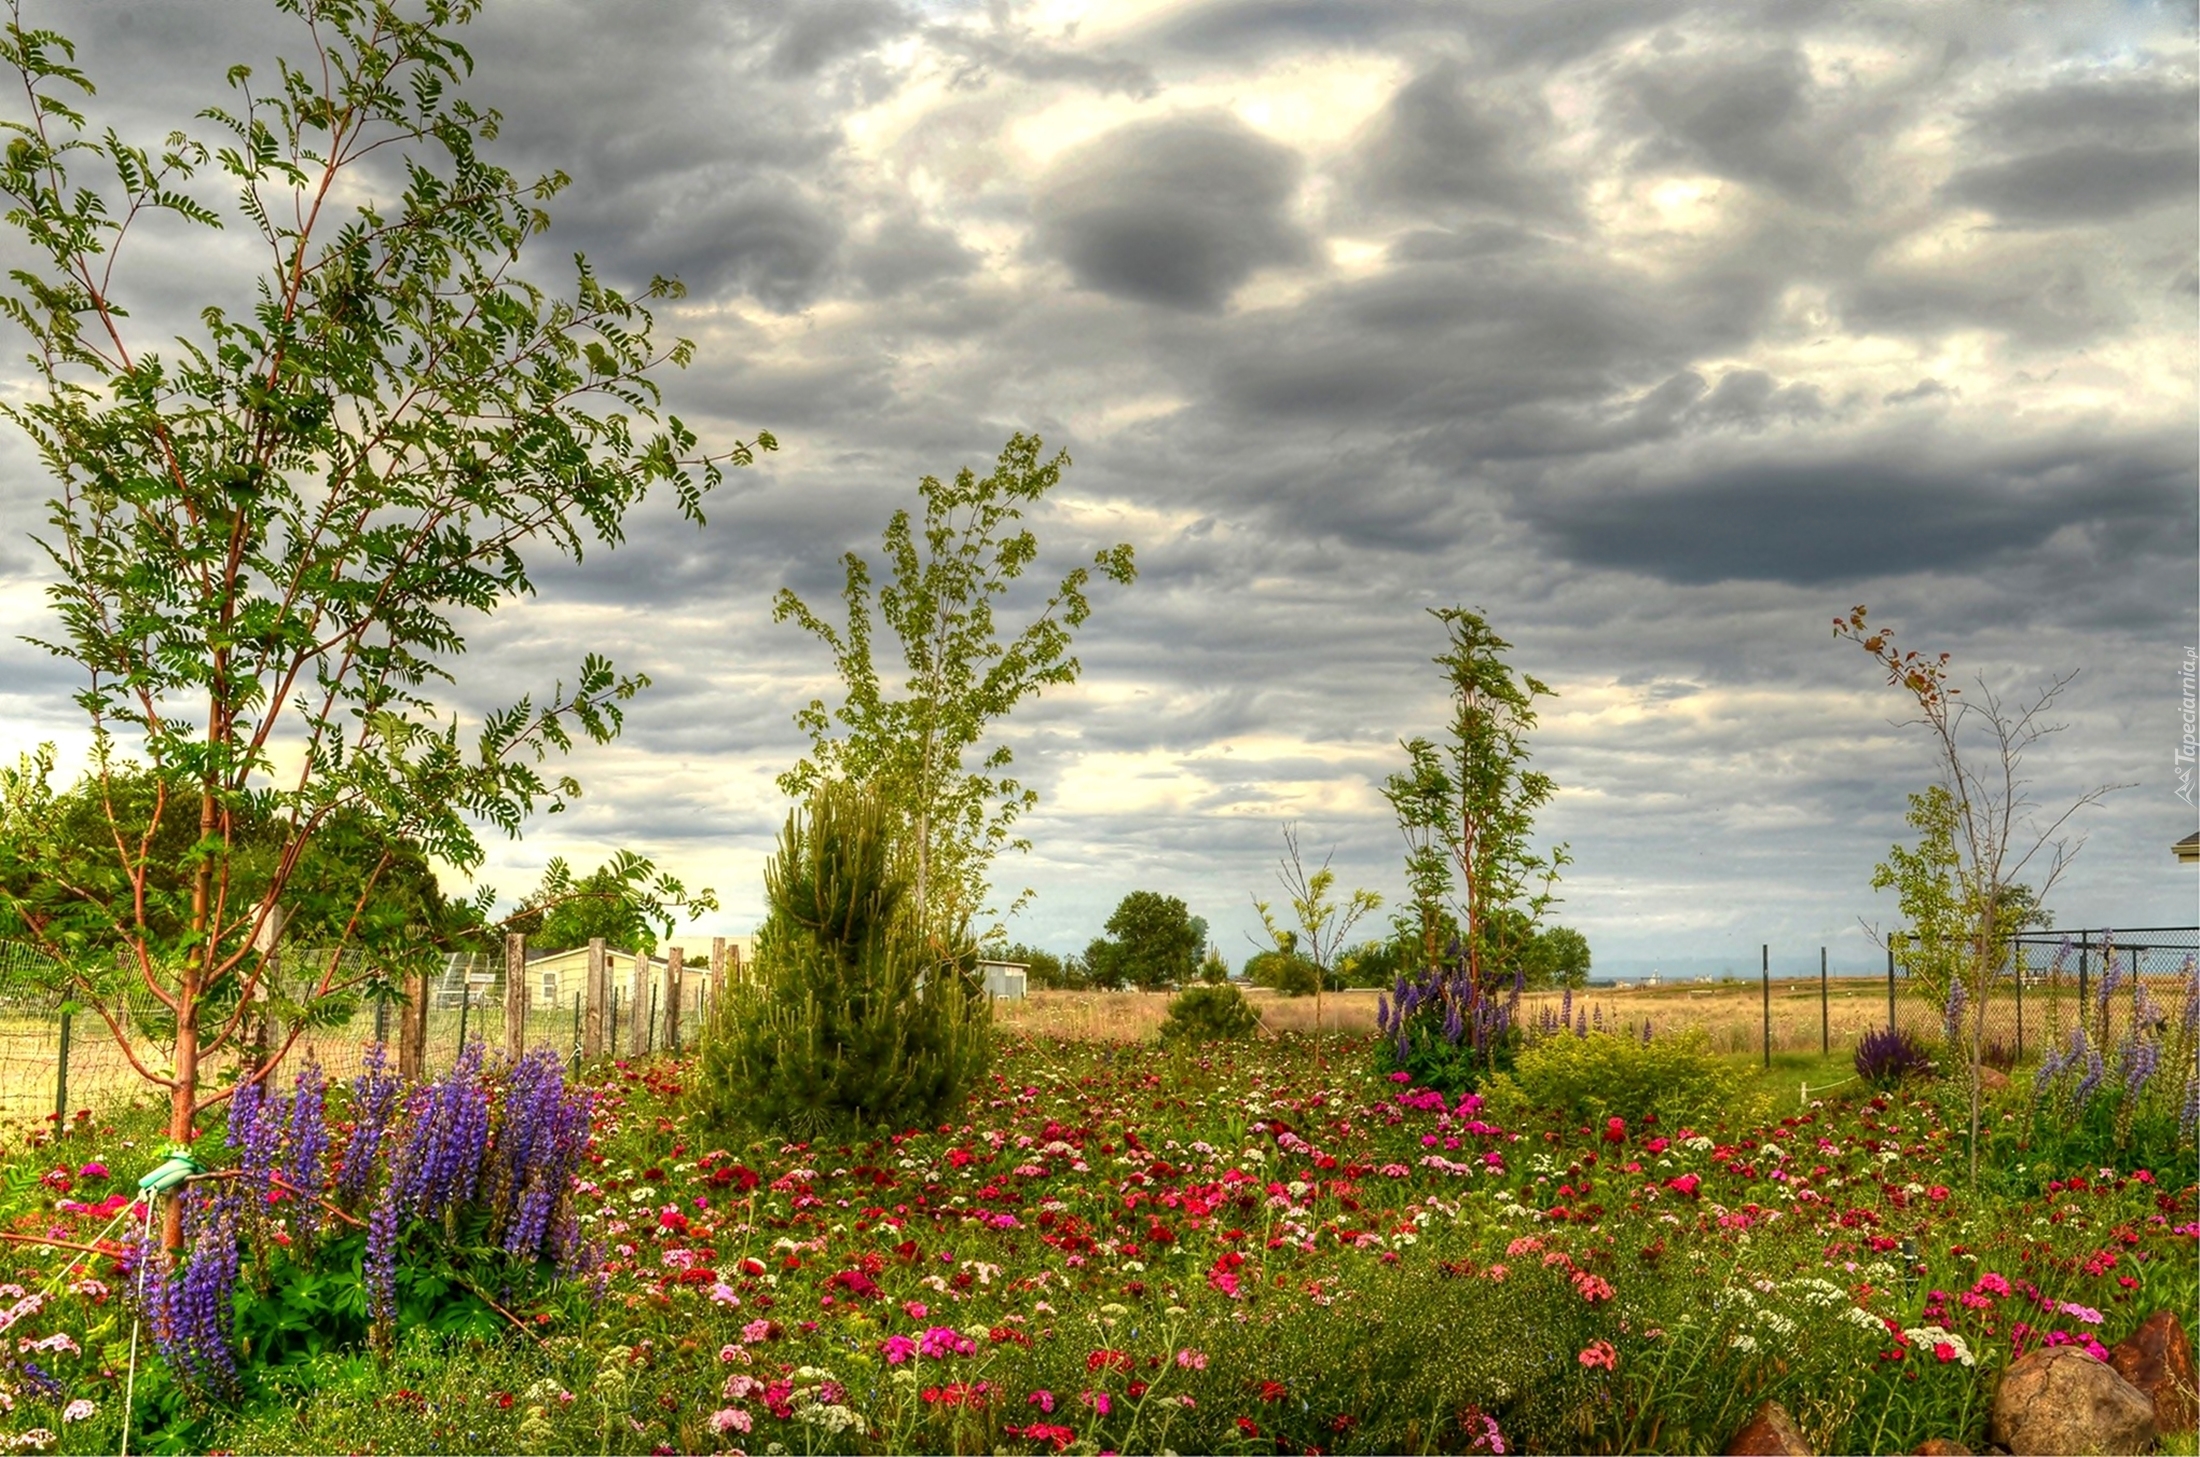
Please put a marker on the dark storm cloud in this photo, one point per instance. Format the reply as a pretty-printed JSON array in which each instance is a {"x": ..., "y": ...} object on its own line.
[
  {"x": 1176, "y": 213},
  {"x": 818, "y": 32},
  {"x": 1374, "y": 305},
  {"x": 2083, "y": 184},
  {"x": 1815, "y": 523},
  {"x": 1750, "y": 119},
  {"x": 1438, "y": 147}
]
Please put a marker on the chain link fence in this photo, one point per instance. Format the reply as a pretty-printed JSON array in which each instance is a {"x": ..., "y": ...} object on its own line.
[
  {"x": 2044, "y": 980},
  {"x": 62, "y": 1055}
]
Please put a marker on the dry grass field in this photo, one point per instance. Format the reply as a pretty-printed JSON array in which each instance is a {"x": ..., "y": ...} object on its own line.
[{"x": 1731, "y": 1014}]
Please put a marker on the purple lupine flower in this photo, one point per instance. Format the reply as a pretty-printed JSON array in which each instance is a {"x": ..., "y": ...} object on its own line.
[
  {"x": 380, "y": 1260},
  {"x": 1566, "y": 1008},
  {"x": 1952, "y": 1016},
  {"x": 244, "y": 1112},
  {"x": 2094, "y": 1071},
  {"x": 2112, "y": 972},
  {"x": 1645, "y": 1031},
  {"x": 1597, "y": 1016},
  {"x": 2189, "y": 1120},
  {"x": 374, "y": 1098},
  {"x": 308, "y": 1141},
  {"x": 2141, "y": 1057},
  {"x": 1581, "y": 1024}
]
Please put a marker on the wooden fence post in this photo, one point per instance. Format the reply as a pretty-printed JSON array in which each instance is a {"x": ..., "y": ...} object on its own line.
[
  {"x": 716, "y": 986},
  {"x": 516, "y": 995},
  {"x": 637, "y": 1038},
  {"x": 412, "y": 1027},
  {"x": 675, "y": 970},
  {"x": 599, "y": 992}
]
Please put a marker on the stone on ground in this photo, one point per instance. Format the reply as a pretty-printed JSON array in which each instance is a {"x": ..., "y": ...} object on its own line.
[
  {"x": 2061, "y": 1401},
  {"x": 1769, "y": 1433},
  {"x": 2157, "y": 1358}
]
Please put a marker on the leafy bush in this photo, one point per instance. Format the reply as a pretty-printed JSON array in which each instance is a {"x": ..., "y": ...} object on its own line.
[
  {"x": 856, "y": 1017},
  {"x": 1886, "y": 1055},
  {"x": 1601, "y": 1076},
  {"x": 1209, "y": 1014},
  {"x": 1284, "y": 971}
]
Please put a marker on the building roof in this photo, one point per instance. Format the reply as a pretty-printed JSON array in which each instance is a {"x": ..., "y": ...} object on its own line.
[{"x": 2188, "y": 849}]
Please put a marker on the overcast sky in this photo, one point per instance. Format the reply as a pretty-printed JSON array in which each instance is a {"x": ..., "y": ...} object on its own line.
[{"x": 1660, "y": 333}]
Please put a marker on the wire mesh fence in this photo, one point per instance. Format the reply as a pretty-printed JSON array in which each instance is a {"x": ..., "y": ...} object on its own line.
[
  {"x": 2046, "y": 981},
  {"x": 64, "y": 1052}
]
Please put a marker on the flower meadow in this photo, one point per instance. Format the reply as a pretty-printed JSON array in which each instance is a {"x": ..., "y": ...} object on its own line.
[{"x": 1112, "y": 1249}]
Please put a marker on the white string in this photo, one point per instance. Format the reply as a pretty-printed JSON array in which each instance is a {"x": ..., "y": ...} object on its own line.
[{"x": 129, "y": 1386}]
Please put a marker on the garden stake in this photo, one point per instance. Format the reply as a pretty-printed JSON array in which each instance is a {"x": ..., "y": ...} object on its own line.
[
  {"x": 1767, "y": 973},
  {"x": 1825, "y": 1016}
]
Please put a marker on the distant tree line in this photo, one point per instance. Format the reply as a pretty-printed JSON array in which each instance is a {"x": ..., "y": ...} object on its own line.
[{"x": 1153, "y": 942}]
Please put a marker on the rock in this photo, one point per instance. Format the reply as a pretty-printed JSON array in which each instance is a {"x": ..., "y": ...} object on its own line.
[
  {"x": 1941, "y": 1447},
  {"x": 2061, "y": 1400},
  {"x": 2157, "y": 1358},
  {"x": 1992, "y": 1080},
  {"x": 1770, "y": 1433}
]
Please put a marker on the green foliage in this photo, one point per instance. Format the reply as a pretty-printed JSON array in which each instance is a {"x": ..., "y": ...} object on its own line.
[
  {"x": 1588, "y": 1079},
  {"x": 1321, "y": 921},
  {"x": 61, "y": 885},
  {"x": 1556, "y": 956},
  {"x": 856, "y": 1018},
  {"x": 624, "y": 901},
  {"x": 1466, "y": 808},
  {"x": 1205, "y": 1013},
  {"x": 1153, "y": 941},
  {"x": 960, "y": 677},
  {"x": 1283, "y": 970},
  {"x": 273, "y": 529},
  {"x": 1213, "y": 970}
]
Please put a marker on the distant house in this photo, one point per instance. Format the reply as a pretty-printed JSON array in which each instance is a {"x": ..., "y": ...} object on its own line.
[{"x": 2188, "y": 849}]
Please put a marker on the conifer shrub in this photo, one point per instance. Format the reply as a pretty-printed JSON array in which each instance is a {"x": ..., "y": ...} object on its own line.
[
  {"x": 1208, "y": 1013},
  {"x": 855, "y": 1019}
]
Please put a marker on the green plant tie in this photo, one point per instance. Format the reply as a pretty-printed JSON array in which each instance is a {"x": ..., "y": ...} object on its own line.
[{"x": 170, "y": 1172}]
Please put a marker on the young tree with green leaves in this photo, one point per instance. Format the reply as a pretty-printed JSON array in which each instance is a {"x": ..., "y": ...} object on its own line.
[
  {"x": 268, "y": 534},
  {"x": 1979, "y": 829},
  {"x": 627, "y": 901},
  {"x": 1323, "y": 923},
  {"x": 959, "y": 679},
  {"x": 1467, "y": 807}
]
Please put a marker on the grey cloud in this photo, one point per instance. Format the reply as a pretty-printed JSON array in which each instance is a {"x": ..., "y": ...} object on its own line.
[
  {"x": 1029, "y": 58},
  {"x": 1176, "y": 212},
  {"x": 2033, "y": 298},
  {"x": 1436, "y": 147},
  {"x": 2132, "y": 111},
  {"x": 904, "y": 252},
  {"x": 1813, "y": 523},
  {"x": 2080, "y": 184},
  {"x": 819, "y": 32},
  {"x": 1750, "y": 120}
]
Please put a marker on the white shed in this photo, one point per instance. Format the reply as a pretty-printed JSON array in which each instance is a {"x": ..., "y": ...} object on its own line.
[{"x": 1004, "y": 980}]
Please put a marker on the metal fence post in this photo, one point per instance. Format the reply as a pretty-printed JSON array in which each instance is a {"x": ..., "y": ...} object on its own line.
[
  {"x": 465, "y": 1000},
  {"x": 382, "y": 1020},
  {"x": 649, "y": 1028},
  {"x": 1825, "y": 1011},
  {"x": 2085, "y": 965},
  {"x": 576, "y": 1031},
  {"x": 2016, "y": 957},
  {"x": 1890, "y": 980},
  {"x": 612, "y": 1041},
  {"x": 61, "y": 1080},
  {"x": 637, "y": 1035},
  {"x": 1767, "y": 972}
]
